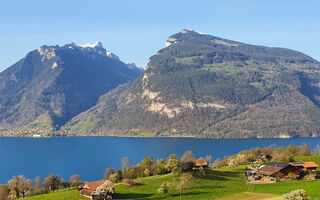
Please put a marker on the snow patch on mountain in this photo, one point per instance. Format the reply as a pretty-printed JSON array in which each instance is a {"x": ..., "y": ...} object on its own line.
[
  {"x": 112, "y": 55},
  {"x": 89, "y": 45}
]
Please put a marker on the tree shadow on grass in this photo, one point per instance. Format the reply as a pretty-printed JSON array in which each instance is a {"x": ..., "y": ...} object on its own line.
[
  {"x": 209, "y": 187},
  {"x": 216, "y": 175}
]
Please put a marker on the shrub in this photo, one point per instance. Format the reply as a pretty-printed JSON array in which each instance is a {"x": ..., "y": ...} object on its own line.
[
  {"x": 114, "y": 178},
  {"x": 296, "y": 195},
  {"x": 129, "y": 182}
]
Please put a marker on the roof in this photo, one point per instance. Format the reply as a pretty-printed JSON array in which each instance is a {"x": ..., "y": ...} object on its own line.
[
  {"x": 269, "y": 170},
  {"x": 201, "y": 162},
  {"x": 309, "y": 164},
  {"x": 275, "y": 164},
  {"x": 92, "y": 186}
]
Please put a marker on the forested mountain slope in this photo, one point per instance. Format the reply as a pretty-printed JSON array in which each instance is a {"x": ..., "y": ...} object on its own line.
[
  {"x": 205, "y": 86},
  {"x": 52, "y": 84}
]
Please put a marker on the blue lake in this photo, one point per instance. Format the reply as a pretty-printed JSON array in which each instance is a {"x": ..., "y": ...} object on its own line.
[{"x": 89, "y": 156}]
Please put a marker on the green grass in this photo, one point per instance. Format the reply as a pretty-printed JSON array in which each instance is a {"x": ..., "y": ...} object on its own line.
[
  {"x": 312, "y": 187},
  {"x": 85, "y": 126},
  {"x": 314, "y": 158},
  {"x": 215, "y": 185},
  {"x": 43, "y": 122},
  {"x": 187, "y": 60},
  {"x": 59, "y": 195},
  {"x": 240, "y": 168}
]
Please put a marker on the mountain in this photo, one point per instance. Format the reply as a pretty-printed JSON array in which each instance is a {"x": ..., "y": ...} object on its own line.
[
  {"x": 52, "y": 84},
  {"x": 206, "y": 86}
]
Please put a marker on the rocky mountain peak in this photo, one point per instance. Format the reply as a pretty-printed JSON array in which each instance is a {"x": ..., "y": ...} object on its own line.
[{"x": 94, "y": 45}]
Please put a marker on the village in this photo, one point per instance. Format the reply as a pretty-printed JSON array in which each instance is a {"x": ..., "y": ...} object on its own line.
[{"x": 260, "y": 170}]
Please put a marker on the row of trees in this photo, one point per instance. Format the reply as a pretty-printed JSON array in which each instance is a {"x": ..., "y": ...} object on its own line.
[
  {"x": 20, "y": 187},
  {"x": 282, "y": 154},
  {"x": 149, "y": 167}
]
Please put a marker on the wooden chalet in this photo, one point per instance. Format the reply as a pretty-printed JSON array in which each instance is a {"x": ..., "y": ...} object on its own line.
[
  {"x": 305, "y": 166},
  {"x": 277, "y": 170}
]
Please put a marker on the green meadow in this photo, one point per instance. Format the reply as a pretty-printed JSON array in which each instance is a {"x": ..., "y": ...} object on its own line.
[{"x": 225, "y": 183}]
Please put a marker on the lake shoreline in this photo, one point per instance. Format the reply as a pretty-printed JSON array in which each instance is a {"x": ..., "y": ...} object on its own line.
[
  {"x": 88, "y": 155},
  {"x": 117, "y": 136}
]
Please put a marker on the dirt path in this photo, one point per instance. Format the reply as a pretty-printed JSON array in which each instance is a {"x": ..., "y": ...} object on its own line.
[{"x": 252, "y": 196}]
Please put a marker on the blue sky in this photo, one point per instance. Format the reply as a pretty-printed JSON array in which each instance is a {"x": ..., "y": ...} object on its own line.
[{"x": 135, "y": 30}]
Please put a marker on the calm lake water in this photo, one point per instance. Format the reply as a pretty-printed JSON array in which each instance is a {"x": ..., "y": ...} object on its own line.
[{"x": 89, "y": 156}]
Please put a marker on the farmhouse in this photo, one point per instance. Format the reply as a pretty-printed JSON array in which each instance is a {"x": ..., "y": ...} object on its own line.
[
  {"x": 201, "y": 163},
  {"x": 90, "y": 189},
  {"x": 277, "y": 170},
  {"x": 305, "y": 166}
]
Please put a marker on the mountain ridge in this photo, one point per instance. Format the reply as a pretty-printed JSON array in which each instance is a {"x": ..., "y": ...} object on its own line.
[
  {"x": 204, "y": 86},
  {"x": 54, "y": 83}
]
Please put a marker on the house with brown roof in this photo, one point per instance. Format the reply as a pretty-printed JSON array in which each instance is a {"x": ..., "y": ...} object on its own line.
[
  {"x": 305, "y": 166},
  {"x": 277, "y": 170},
  {"x": 89, "y": 188},
  {"x": 201, "y": 163}
]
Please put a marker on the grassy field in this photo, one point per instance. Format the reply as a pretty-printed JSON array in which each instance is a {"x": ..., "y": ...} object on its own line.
[
  {"x": 310, "y": 186},
  {"x": 314, "y": 158},
  {"x": 212, "y": 186},
  {"x": 219, "y": 184},
  {"x": 59, "y": 195}
]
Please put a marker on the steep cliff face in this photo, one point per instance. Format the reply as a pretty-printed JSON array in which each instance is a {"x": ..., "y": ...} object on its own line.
[
  {"x": 52, "y": 84},
  {"x": 205, "y": 86}
]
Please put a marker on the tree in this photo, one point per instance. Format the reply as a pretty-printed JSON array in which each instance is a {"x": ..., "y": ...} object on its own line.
[
  {"x": 19, "y": 186},
  {"x": 104, "y": 191},
  {"x": 65, "y": 184},
  {"x": 164, "y": 188},
  {"x": 173, "y": 165},
  {"x": 161, "y": 166},
  {"x": 37, "y": 183},
  {"x": 107, "y": 172},
  {"x": 52, "y": 182},
  {"x": 114, "y": 178},
  {"x": 220, "y": 163},
  {"x": 304, "y": 150},
  {"x": 296, "y": 195},
  {"x": 132, "y": 173},
  {"x": 188, "y": 157},
  {"x": 185, "y": 181},
  {"x": 317, "y": 149},
  {"x": 120, "y": 175},
  {"x": 75, "y": 181},
  {"x": 173, "y": 156},
  {"x": 126, "y": 164},
  {"x": 209, "y": 159},
  {"x": 146, "y": 163},
  {"x": 187, "y": 161}
]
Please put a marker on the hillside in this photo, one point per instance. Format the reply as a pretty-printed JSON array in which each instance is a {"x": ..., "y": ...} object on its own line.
[
  {"x": 52, "y": 84},
  {"x": 205, "y": 86},
  {"x": 216, "y": 184}
]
